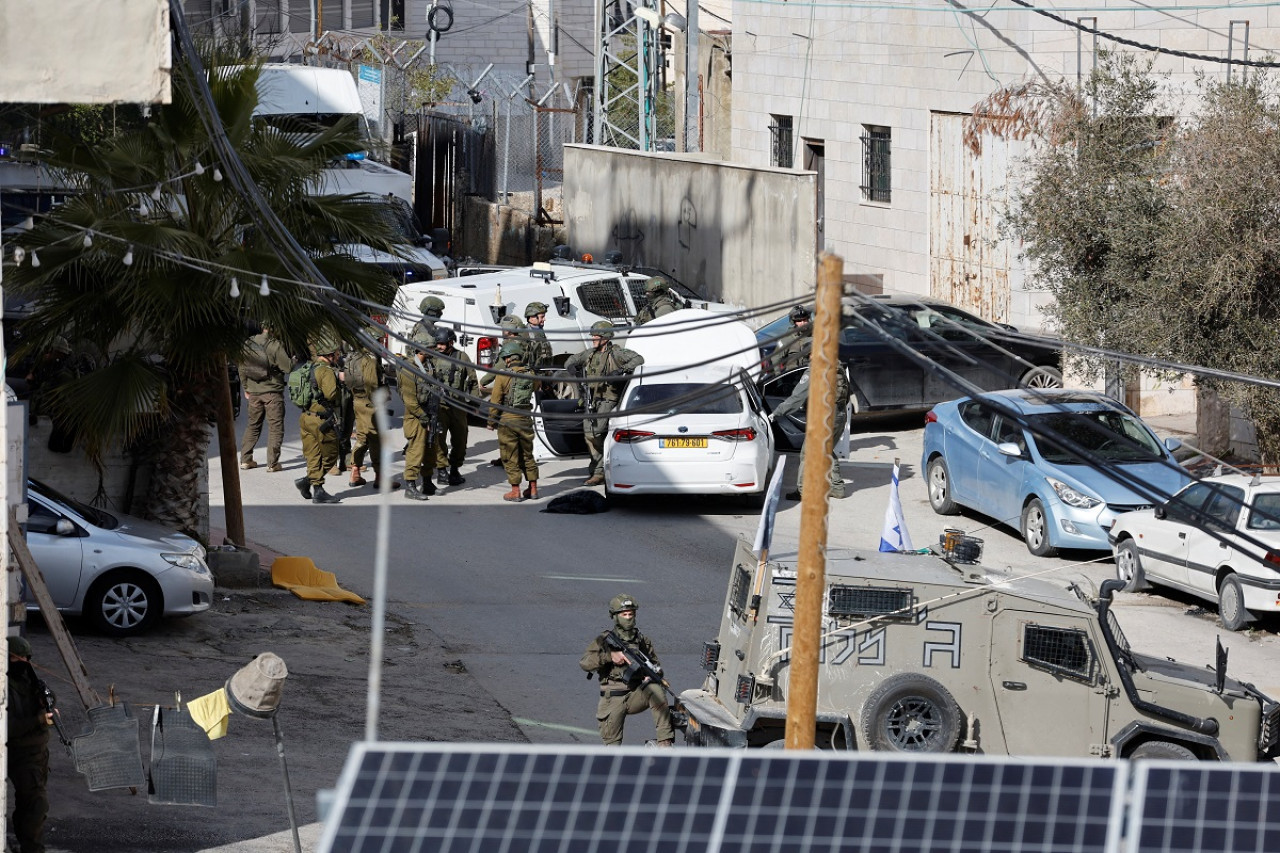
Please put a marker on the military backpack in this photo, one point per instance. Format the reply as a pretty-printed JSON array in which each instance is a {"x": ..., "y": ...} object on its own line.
[
  {"x": 520, "y": 393},
  {"x": 303, "y": 390}
]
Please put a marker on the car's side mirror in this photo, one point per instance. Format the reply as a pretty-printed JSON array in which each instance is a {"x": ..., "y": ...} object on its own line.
[
  {"x": 1009, "y": 448},
  {"x": 1171, "y": 444},
  {"x": 64, "y": 527},
  {"x": 1160, "y": 511}
]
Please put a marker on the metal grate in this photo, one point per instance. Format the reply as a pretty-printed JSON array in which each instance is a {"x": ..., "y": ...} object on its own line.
[
  {"x": 604, "y": 298},
  {"x": 740, "y": 590},
  {"x": 876, "y": 147},
  {"x": 780, "y": 131},
  {"x": 852, "y": 601},
  {"x": 1066, "y": 651}
]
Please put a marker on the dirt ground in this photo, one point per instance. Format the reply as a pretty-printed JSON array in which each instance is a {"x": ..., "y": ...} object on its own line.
[{"x": 427, "y": 695}]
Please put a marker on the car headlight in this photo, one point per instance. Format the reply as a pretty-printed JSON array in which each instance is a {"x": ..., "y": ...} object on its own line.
[
  {"x": 188, "y": 561},
  {"x": 1071, "y": 497}
]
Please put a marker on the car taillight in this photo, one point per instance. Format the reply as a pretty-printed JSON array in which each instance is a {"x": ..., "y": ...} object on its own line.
[
  {"x": 627, "y": 436},
  {"x": 484, "y": 350},
  {"x": 745, "y": 434},
  {"x": 930, "y": 417},
  {"x": 1273, "y": 558}
]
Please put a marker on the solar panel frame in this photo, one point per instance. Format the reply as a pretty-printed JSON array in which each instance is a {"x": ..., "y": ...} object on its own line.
[{"x": 1199, "y": 806}]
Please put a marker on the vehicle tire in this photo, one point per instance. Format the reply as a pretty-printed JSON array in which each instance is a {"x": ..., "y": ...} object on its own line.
[
  {"x": 123, "y": 603},
  {"x": 910, "y": 712},
  {"x": 939, "y": 483},
  {"x": 1041, "y": 377},
  {"x": 1162, "y": 749},
  {"x": 1035, "y": 529},
  {"x": 1231, "y": 604},
  {"x": 1129, "y": 567}
]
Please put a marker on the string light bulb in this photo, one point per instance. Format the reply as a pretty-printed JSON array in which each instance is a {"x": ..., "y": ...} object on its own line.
[
  {"x": 217, "y": 175},
  {"x": 144, "y": 209},
  {"x": 128, "y": 257},
  {"x": 28, "y": 223},
  {"x": 35, "y": 258},
  {"x": 235, "y": 288},
  {"x": 88, "y": 240},
  {"x": 199, "y": 168},
  {"x": 265, "y": 290},
  {"x": 155, "y": 193}
]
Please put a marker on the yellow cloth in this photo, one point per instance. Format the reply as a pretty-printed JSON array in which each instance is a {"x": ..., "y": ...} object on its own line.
[
  {"x": 211, "y": 713},
  {"x": 300, "y": 576}
]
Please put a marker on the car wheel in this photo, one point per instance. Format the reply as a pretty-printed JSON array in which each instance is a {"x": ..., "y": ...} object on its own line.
[
  {"x": 1129, "y": 566},
  {"x": 1035, "y": 529},
  {"x": 1162, "y": 749},
  {"x": 1231, "y": 604},
  {"x": 1041, "y": 377},
  {"x": 123, "y": 603},
  {"x": 940, "y": 488},
  {"x": 910, "y": 712}
]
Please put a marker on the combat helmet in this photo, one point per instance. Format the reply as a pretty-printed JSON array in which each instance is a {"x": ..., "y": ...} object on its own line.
[
  {"x": 799, "y": 313},
  {"x": 325, "y": 343},
  {"x": 511, "y": 348},
  {"x": 443, "y": 335},
  {"x": 535, "y": 308},
  {"x": 423, "y": 339},
  {"x": 511, "y": 322},
  {"x": 657, "y": 284},
  {"x": 432, "y": 306},
  {"x": 603, "y": 328},
  {"x": 619, "y": 603}
]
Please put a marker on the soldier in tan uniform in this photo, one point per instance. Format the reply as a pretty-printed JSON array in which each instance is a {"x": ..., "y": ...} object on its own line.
[
  {"x": 262, "y": 370},
  {"x": 620, "y": 698},
  {"x": 515, "y": 430},
  {"x": 605, "y": 368},
  {"x": 320, "y": 422},
  {"x": 363, "y": 377},
  {"x": 421, "y": 412},
  {"x": 452, "y": 369}
]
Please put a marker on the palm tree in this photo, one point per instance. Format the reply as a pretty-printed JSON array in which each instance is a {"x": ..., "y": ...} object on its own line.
[{"x": 139, "y": 265}]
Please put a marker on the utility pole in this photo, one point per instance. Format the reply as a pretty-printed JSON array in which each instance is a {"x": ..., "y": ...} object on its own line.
[{"x": 811, "y": 568}]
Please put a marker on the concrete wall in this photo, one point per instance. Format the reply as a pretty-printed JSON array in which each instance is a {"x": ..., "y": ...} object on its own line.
[{"x": 740, "y": 234}]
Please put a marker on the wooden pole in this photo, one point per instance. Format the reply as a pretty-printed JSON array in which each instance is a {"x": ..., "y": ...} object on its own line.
[
  {"x": 229, "y": 455},
  {"x": 806, "y": 640}
]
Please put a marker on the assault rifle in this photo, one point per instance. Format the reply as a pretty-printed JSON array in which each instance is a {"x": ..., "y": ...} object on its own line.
[
  {"x": 641, "y": 670},
  {"x": 49, "y": 703}
]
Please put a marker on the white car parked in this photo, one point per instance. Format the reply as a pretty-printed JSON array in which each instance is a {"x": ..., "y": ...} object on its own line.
[
  {"x": 119, "y": 572},
  {"x": 1217, "y": 539}
]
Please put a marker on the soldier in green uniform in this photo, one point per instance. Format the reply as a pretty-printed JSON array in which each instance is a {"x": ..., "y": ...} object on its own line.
[
  {"x": 363, "y": 377},
  {"x": 27, "y": 746},
  {"x": 513, "y": 329},
  {"x": 515, "y": 430},
  {"x": 421, "y": 409},
  {"x": 263, "y": 369},
  {"x": 605, "y": 368},
  {"x": 320, "y": 424},
  {"x": 794, "y": 348},
  {"x": 618, "y": 698},
  {"x": 432, "y": 308},
  {"x": 658, "y": 300},
  {"x": 452, "y": 369},
  {"x": 800, "y": 397},
  {"x": 537, "y": 355}
]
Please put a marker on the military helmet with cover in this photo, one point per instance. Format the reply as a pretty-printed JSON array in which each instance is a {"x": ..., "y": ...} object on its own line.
[
  {"x": 603, "y": 328},
  {"x": 533, "y": 309},
  {"x": 19, "y": 646},
  {"x": 511, "y": 348},
  {"x": 657, "y": 284},
  {"x": 325, "y": 343},
  {"x": 432, "y": 306},
  {"x": 619, "y": 603},
  {"x": 510, "y": 322},
  {"x": 443, "y": 335},
  {"x": 423, "y": 339},
  {"x": 799, "y": 313}
]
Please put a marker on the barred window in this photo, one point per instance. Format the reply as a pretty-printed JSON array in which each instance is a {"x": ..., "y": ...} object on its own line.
[
  {"x": 1066, "y": 651},
  {"x": 604, "y": 298},
  {"x": 781, "y": 133},
  {"x": 741, "y": 589},
  {"x": 875, "y": 162},
  {"x": 861, "y": 601}
]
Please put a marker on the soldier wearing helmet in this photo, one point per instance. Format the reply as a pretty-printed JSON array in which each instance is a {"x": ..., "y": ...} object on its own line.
[
  {"x": 511, "y": 402},
  {"x": 321, "y": 422},
  {"x": 537, "y": 354},
  {"x": 658, "y": 300},
  {"x": 454, "y": 374},
  {"x": 363, "y": 376},
  {"x": 622, "y": 694},
  {"x": 795, "y": 347},
  {"x": 263, "y": 369},
  {"x": 604, "y": 367},
  {"x": 432, "y": 308},
  {"x": 421, "y": 397}
]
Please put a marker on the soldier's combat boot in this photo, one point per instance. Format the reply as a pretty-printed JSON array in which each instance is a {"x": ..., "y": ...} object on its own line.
[
  {"x": 356, "y": 479},
  {"x": 320, "y": 496},
  {"x": 531, "y": 493},
  {"x": 594, "y": 480},
  {"x": 442, "y": 476},
  {"x": 455, "y": 479},
  {"x": 304, "y": 486},
  {"x": 412, "y": 492},
  {"x": 428, "y": 487},
  {"x": 513, "y": 495}
]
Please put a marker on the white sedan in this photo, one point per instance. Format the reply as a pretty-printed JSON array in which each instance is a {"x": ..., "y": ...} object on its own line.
[{"x": 1217, "y": 539}]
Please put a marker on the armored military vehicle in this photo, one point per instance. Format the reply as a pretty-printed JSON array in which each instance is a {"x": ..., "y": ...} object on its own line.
[{"x": 921, "y": 653}]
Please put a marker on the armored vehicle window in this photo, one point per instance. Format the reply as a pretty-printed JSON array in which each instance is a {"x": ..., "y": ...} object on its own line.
[
  {"x": 977, "y": 417},
  {"x": 1062, "y": 650},
  {"x": 855, "y": 601},
  {"x": 741, "y": 589},
  {"x": 604, "y": 298}
]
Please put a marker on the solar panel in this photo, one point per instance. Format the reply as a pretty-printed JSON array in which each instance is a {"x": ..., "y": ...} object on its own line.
[
  {"x": 402, "y": 798},
  {"x": 1205, "y": 807}
]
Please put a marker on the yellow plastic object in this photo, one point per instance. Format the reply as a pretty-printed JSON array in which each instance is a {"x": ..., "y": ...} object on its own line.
[{"x": 304, "y": 579}]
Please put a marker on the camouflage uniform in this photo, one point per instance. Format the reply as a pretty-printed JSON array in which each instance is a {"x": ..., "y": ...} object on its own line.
[
  {"x": 363, "y": 378},
  {"x": 605, "y": 360},
  {"x": 320, "y": 426},
  {"x": 459, "y": 376},
  {"x": 515, "y": 431},
  {"x": 421, "y": 402},
  {"x": 799, "y": 398},
  {"x": 265, "y": 397},
  {"x": 659, "y": 301},
  {"x": 618, "y": 699}
]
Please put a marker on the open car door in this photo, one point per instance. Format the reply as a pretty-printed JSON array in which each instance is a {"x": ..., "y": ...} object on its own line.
[
  {"x": 789, "y": 430},
  {"x": 557, "y": 427}
]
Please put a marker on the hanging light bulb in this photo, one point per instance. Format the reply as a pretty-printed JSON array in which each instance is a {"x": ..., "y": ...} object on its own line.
[
  {"x": 18, "y": 254},
  {"x": 128, "y": 257},
  {"x": 35, "y": 258},
  {"x": 217, "y": 174},
  {"x": 144, "y": 209},
  {"x": 88, "y": 240},
  {"x": 264, "y": 290},
  {"x": 199, "y": 168},
  {"x": 235, "y": 288},
  {"x": 155, "y": 193}
]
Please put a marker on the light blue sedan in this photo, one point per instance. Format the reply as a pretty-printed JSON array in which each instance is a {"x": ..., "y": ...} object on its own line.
[{"x": 1059, "y": 464}]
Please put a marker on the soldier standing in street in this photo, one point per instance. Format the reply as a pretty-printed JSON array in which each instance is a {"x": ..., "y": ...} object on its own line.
[
  {"x": 27, "y": 747},
  {"x": 515, "y": 430},
  {"x": 513, "y": 329},
  {"x": 658, "y": 300},
  {"x": 421, "y": 410},
  {"x": 263, "y": 369},
  {"x": 452, "y": 369},
  {"x": 795, "y": 347},
  {"x": 620, "y": 698},
  {"x": 537, "y": 355},
  {"x": 432, "y": 308},
  {"x": 363, "y": 377},
  {"x": 799, "y": 398},
  {"x": 320, "y": 424},
  {"x": 605, "y": 368}
]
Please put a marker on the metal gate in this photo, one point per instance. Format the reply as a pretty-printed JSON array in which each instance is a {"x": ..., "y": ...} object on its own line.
[{"x": 451, "y": 164}]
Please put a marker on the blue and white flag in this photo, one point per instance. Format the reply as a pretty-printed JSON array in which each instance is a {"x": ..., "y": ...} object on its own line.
[
  {"x": 895, "y": 537},
  {"x": 764, "y": 533}
]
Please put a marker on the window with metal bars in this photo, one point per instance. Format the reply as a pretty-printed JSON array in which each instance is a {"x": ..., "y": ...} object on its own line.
[
  {"x": 781, "y": 133},
  {"x": 1066, "y": 651},
  {"x": 860, "y": 601},
  {"x": 876, "y": 147},
  {"x": 604, "y": 298},
  {"x": 740, "y": 591}
]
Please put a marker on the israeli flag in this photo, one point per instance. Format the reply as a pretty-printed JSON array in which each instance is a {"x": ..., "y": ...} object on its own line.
[
  {"x": 895, "y": 537},
  {"x": 764, "y": 533}
]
